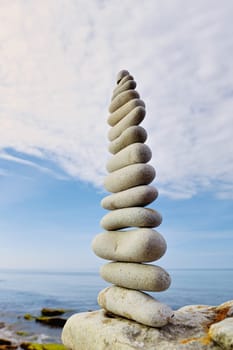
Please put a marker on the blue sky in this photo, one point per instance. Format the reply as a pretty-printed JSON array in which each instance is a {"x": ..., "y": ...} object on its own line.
[{"x": 59, "y": 62}]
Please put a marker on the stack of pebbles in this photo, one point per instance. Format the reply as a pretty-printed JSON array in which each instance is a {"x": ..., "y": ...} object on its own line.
[{"x": 130, "y": 250}]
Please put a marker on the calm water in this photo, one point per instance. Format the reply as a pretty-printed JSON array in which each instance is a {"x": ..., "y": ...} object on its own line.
[{"x": 28, "y": 292}]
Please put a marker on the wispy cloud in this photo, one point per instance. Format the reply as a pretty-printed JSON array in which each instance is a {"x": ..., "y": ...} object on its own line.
[
  {"x": 10, "y": 158},
  {"x": 59, "y": 60}
]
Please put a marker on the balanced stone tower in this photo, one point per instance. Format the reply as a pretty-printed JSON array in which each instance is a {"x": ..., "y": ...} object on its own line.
[{"x": 130, "y": 242}]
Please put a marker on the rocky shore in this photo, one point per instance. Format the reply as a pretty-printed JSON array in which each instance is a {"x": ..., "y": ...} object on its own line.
[
  {"x": 194, "y": 327},
  {"x": 12, "y": 338},
  {"x": 130, "y": 318}
]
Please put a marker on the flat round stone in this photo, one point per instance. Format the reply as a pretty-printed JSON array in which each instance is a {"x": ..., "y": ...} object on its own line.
[
  {"x": 129, "y": 85},
  {"x": 129, "y": 176},
  {"x": 131, "y": 135},
  {"x": 131, "y": 217},
  {"x": 134, "y": 197},
  {"x": 124, "y": 79},
  {"x": 123, "y": 73},
  {"x": 134, "y": 117},
  {"x": 122, "y": 99},
  {"x": 121, "y": 112},
  {"x": 135, "y": 305},
  {"x": 141, "y": 245},
  {"x": 132, "y": 154},
  {"x": 136, "y": 276}
]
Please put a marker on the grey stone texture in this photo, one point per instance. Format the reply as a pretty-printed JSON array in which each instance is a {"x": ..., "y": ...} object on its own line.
[
  {"x": 139, "y": 245},
  {"x": 129, "y": 176},
  {"x": 124, "y": 79},
  {"x": 134, "y": 217},
  {"x": 134, "y": 117},
  {"x": 133, "y": 197},
  {"x": 136, "y": 276},
  {"x": 222, "y": 333},
  {"x": 128, "y": 85},
  {"x": 129, "y": 240},
  {"x": 130, "y": 135},
  {"x": 122, "y": 301},
  {"x": 122, "y": 99},
  {"x": 189, "y": 329},
  {"x": 120, "y": 113},
  {"x": 132, "y": 154},
  {"x": 123, "y": 73}
]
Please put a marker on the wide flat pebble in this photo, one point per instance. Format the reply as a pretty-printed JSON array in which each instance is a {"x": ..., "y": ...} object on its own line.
[
  {"x": 134, "y": 117},
  {"x": 134, "y": 217},
  {"x": 126, "y": 77},
  {"x": 122, "y": 301},
  {"x": 132, "y": 154},
  {"x": 122, "y": 99},
  {"x": 136, "y": 276},
  {"x": 130, "y": 135},
  {"x": 134, "y": 197},
  {"x": 121, "y": 75},
  {"x": 140, "y": 245},
  {"x": 129, "y": 176},
  {"x": 129, "y": 85},
  {"x": 121, "y": 112}
]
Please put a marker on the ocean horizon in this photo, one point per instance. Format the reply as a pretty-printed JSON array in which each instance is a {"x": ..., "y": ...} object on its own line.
[{"x": 25, "y": 291}]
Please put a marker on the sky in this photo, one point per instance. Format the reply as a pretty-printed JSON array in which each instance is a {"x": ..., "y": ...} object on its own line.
[{"x": 59, "y": 61}]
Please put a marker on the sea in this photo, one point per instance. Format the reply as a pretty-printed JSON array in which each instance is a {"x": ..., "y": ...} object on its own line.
[{"x": 23, "y": 292}]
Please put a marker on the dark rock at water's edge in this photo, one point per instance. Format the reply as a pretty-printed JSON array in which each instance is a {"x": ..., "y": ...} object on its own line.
[
  {"x": 29, "y": 317},
  {"x": 6, "y": 344},
  {"x": 51, "y": 321},
  {"x": 49, "y": 317},
  {"x": 8, "y": 347},
  {"x": 52, "y": 312},
  {"x": 38, "y": 346},
  {"x": 23, "y": 334}
]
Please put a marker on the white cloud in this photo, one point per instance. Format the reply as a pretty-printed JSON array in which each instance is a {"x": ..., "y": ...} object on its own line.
[
  {"x": 31, "y": 164},
  {"x": 59, "y": 60}
]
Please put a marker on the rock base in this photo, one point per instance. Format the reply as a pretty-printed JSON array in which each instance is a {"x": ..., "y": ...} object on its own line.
[{"x": 192, "y": 327}]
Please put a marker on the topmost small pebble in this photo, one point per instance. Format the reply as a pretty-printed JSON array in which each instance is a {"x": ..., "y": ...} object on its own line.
[{"x": 121, "y": 75}]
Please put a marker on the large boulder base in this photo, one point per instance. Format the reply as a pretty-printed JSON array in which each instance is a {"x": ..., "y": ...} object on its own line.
[{"x": 190, "y": 328}]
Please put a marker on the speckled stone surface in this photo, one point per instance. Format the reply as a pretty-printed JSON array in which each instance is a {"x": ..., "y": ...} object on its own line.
[
  {"x": 187, "y": 330},
  {"x": 139, "y": 245},
  {"x": 129, "y": 217},
  {"x": 122, "y": 301},
  {"x": 134, "y": 153},
  {"x": 129, "y": 240},
  {"x": 139, "y": 196},
  {"x": 131, "y": 134},
  {"x": 136, "y": 276}
]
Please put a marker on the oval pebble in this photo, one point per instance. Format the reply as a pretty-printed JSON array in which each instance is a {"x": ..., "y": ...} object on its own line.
[
  {"x": 140, "y": 245},
  {"x": 129, "y": 176},
  {"x": 122, "y": 99},
  {"x": 124, "y": 79},
  {"x": 123, "y": 73},
  {"x": 130, "y": 135},
  {"x": 134, "y": 217},
  {"x": 138, "y": 196},
  {"x": 136, "y": 276},
  {"x": 129, "y": 85},
  {"x": 135, "y": 153},
  {"x": 135, "y": 305},
  {"x": 121, "y": 112},
  {"x": 134, "y": 117}
]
